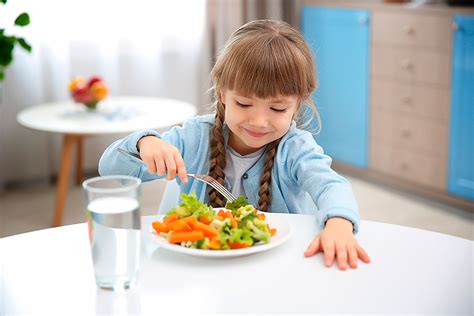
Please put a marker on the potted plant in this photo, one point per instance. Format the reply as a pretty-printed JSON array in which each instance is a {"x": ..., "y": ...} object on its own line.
[{"x": 8, "y": 43}]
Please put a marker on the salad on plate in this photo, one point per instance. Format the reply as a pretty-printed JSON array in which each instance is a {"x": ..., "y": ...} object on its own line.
[{"x": 194, "y": 224}]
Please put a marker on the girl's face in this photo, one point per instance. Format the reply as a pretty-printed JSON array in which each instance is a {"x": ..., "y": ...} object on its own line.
[{"x": 255, "y": 122}]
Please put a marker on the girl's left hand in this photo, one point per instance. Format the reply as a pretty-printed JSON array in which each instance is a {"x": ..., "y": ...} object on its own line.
[{"x": 337, "y": 240}]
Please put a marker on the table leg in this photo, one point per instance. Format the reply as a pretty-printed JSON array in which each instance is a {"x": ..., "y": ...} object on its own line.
[
  {"x": 79, "y": 161},
  {"x": 63, "y": 179}
]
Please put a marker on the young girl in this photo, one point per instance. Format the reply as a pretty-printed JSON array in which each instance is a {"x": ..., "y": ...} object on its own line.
[{"x": 262, "y": 79}]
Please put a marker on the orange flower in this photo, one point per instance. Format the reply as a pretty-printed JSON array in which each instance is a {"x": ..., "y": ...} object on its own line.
[
  {"x": 76, "y": 83},
  {"x": 99, "y": 90}
]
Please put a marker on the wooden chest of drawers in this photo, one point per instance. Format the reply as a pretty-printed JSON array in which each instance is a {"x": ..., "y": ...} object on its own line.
[{"x": 410, "y": 96}]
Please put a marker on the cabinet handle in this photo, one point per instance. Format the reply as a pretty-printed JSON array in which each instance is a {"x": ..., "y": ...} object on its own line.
[
  {"x": 408, "y": 30},
  {"x": 407, "y": 100},
  {"x": 406, "y": 64},
  {"x": 406, "y": 134},
  {"x": 363, "y": 20},
  {"x": 454, "y": 27},
  {"x": 404, "y": 166}
]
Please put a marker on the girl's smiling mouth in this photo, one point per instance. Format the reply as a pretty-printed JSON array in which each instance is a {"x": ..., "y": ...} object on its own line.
[{"x": 255, "y": 133}]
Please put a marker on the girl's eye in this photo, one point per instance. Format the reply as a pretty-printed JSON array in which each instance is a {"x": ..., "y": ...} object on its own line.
[
  {"x": 242, "y": 105},
  {"x": 279, "y": 110}
]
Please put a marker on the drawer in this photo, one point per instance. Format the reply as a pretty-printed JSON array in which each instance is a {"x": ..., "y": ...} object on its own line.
[
  {"x": 413, "y": 133},
  {"x": 411, "y": 100},
  {"x": 413, "y": 30},
  {"x": 411, "y": 65},
  {"x": 408, "y": 165}
]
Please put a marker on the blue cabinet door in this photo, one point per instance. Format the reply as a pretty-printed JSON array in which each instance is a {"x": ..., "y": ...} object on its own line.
[
  {"x": 461, "y": 138},
  {"x": 339, "y": 39}
]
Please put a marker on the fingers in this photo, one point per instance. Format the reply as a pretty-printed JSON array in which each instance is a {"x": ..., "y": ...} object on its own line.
[
  {"x": 329, "y": 253},
  {"x": 362, "y": 254},
  {"x": 160, "y": 167},
  {"x": 170, "y": 167},
  {"x": 313, "y": 248},
  {"x": 341, "y": 255},
  {"x": 181, "y": 168},
  {"x": 169, "y": 164},
  {"x": 150, "y": 163},
  {"x": 352, "y": 253},
  {"x": 346, "y": 254}
]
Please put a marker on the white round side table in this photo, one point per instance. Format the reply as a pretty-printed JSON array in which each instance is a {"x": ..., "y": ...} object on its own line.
[{"x": 114, "y": 115}]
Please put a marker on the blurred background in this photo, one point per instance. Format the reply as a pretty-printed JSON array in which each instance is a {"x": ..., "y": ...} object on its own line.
[{"x": 396, "y": 94}]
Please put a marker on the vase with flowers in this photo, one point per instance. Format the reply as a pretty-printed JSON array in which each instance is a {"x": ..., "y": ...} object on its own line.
[{"x": 88, "y": 92}]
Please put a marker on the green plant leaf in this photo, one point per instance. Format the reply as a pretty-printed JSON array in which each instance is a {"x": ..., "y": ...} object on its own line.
[
  {"x": 23, "y": 19},
  {"x": 6, "y": 50},
  {"x": 24, "y": 44},
  {"x": 2, "y": 75},
  {"x": 3, "y": 1}
]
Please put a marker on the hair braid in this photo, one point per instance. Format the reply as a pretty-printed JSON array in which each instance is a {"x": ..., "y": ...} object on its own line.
[
  {"x": 266, "y": 178},
  {"x": 218, "y": 156}
]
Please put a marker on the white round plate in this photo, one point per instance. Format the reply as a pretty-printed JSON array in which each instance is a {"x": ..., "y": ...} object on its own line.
[{"x": 282, "y": 234}]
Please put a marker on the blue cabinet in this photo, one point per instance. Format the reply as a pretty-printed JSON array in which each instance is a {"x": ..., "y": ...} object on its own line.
[
  {"x": 461, "y": 138},
  {"x": 339, "y": 39}
]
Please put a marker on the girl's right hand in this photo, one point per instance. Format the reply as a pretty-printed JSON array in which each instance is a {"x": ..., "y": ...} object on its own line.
[{"x": 162, "y": 158}]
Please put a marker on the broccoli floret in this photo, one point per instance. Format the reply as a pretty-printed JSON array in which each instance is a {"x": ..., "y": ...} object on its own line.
[
  {"x": 240, "y": 236},
  {"x": 259, "y": 230},
  {"x": 243, "y": 212},
  {"x": 237, "y": 203}
]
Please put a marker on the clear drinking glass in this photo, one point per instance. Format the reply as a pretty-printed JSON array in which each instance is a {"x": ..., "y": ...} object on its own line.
[{"x": 113, "y": 216}]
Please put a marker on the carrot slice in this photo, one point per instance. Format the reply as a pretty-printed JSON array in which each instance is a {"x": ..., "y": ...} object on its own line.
[
  {"x": 238, "y": 245},
  {"x": 206, "y": 229},
  {"x": 221, "y": 213},
  {"x": 272, "y": 231},
  {"x": 170, "y": 219},
  {"x": 159, "y": 227},
  {"x": 190, "y": 220},
  {"x": 261, "y": 216},
  {"x": 178, "y": 237},
  {"x": 233, "y": 222},
  {"x": 179, "y": 226},
  {"x": 204, "y": 219}
]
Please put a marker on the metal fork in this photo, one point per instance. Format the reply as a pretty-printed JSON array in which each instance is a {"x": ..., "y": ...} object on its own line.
[
  {"x": 204, "y": 178},
  {"x": 215, "y": 184}
]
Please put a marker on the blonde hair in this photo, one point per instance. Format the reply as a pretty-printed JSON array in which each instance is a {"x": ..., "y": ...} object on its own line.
[{"x": 264, "y": 59}]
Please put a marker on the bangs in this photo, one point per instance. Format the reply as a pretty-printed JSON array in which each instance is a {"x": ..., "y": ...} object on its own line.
[{"x": 266, "y": 66}]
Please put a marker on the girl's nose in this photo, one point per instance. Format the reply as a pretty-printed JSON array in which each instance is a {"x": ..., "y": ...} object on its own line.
[{"x": 258, "y": 120}]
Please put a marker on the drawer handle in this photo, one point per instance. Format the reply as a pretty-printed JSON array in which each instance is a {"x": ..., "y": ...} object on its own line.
[
  {"x": 454, "y": 26},
  {"x": 363, "y": 20},
  {"x": 406, "y": 64},
  {"x": 407, "y": 100},
  {"x": 406, "y": 134},
  {"x": 408, "y": 30},
  {"x": 404, "y": 166}
]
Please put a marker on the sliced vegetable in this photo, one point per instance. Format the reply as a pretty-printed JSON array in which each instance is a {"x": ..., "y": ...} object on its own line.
[
  {"x": 206, "y": 229},
  {"x": 178, "y": 237},
  {"x": 159, "y": 227},
  {"x": 179, "y": 225}
]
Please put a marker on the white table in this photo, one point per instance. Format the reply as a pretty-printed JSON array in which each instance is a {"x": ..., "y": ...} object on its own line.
[
  {"x": 113, "y": 116},
  {"x": 49, "y": 272}
]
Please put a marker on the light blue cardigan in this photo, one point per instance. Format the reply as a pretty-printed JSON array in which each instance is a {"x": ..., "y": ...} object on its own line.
[{"x": 302, "y": 179}]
